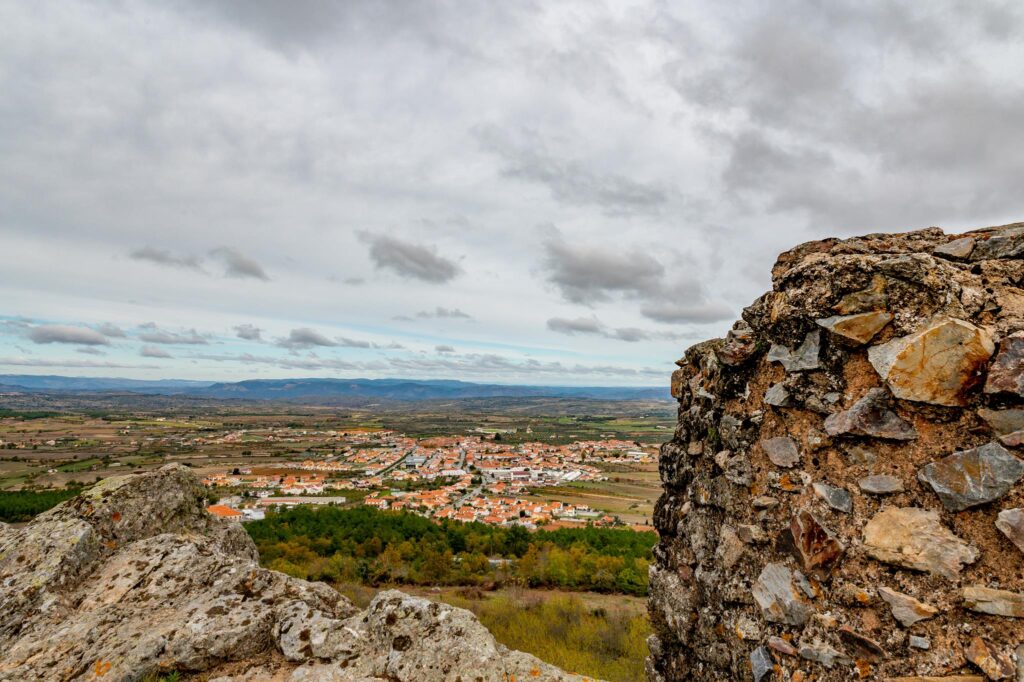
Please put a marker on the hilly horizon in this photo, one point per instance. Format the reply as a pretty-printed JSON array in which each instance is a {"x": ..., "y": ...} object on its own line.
[{"x": 320, "y": 388}]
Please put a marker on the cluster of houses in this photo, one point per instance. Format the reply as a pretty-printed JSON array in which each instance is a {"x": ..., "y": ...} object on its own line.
[{"x": 465, "y": 478}]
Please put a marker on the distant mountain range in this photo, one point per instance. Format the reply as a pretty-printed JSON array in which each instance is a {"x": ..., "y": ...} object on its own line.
[{"x": 323, "y": 390}]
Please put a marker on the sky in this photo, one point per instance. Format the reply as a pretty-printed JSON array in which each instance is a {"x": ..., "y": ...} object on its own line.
[{"x": 512, "y": 192}]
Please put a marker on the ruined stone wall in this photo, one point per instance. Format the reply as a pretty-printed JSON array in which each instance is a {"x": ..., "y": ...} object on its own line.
[{"x": 843, "y": 495}]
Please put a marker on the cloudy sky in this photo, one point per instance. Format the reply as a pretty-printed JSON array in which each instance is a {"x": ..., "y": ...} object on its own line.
[{"x": 518, "y": 192}]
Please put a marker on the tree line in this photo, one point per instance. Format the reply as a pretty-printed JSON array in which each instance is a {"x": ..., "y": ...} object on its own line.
[{"x": 374, "y": 547}]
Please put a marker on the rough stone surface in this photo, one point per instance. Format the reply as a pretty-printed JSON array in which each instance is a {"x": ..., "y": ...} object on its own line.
[
  {"x": 781, "y": 451},
  {"x": 972, "y": 477},
  {"x": 995, "y": 664},
  {"x": 915, "y": 538},
  {"x": 859, "y": 328},
  {"x": 870, "y": 416},
  {"x": 905, "y": 608},
  {"x": 994, "y": 602},
  {"x": 1011, "y": 523},
  {"x": 948, "y": 303},
  {"x": 1006, "y": 373},
  {"x": 133, "y": 579},
  {"x": 938, "y": 364},
  {"x": 881, "y": 484}
]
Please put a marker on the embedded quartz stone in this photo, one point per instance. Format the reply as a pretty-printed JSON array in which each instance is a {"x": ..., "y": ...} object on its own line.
[
  {"x": 1011, "y": 523},
  {"x": 781, "y": 451},
  {"x": 972, "y": 477},
  {"x": 905, "y": 608},
  {"x": 739, "y": 345},
  {"x": 1006, "y": 373},
  {"x": 938, "y": 364},
  {"x": 1003, "y": 421},
  {"x": 782, "y": 595},
  {"x": 778, "y": 396},
  {"x": 822, "y": 653},
  {"x": 881, "y": 484},
  {"x": 805, "y": 357},
  {"x": 859, "y": 328},
  {"x": 915, "y": 538},
  {"x": 870, "y": 416},
  {"x": 994, "y": 602}
]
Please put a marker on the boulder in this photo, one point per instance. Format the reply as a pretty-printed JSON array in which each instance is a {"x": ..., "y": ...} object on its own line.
[
  {"x": 915, "y": 538},
  {"x": 783, "y": 595},
  {"x": 805, "y": 357},
  {"x": 939, "y": 364},
  {"x": 133, "y": 579},
  {"x": 972, "y": 477}
]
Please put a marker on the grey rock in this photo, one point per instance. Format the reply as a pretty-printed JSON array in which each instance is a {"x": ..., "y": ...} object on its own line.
[
  {"x": 939, "y": 364},
  {"x": 778, "y": 396},
  {"x": 870, "y": 416},
  {"x": 915, "y": 538},
  {"x": 740, "y": 345},
  {"x": 1005, "y": 243},
  {"x": 858, "y": 328},
  {"x": 958, "y": 249},
  {"x": 782, "y": 646},
  {"x": 1011, "y": 523},
  {"x": 837, "y": 498},
  {"x": 994, "y": 602},
  {"x": 905, "y": 608},
  {"x": 822, "y": 653},
  {"x": 881, "y": 484},
  {"x": 781, "y": 594},
  {"x": 918, "y": 642},
  {"x": 761, "y": 663},
  {"x": 135, "y": 575},
  {"x": 1003, "y": 421},
  {"x": 1006, "y": 373},
  {"x": 804, "y": 358},
  {"x": 971, "y": 477},
  {"x": 781, "y": 451}
]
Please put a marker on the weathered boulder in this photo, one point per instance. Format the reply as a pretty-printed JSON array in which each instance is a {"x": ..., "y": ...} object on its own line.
[
  {"x": 938, "y": 364},
  {"x": 861, "y": 404},
  {"x": 133, "y": 579}
]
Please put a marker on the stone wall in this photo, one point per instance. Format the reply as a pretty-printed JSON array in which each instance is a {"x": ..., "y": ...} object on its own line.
[{"x": 843, "y": 495}]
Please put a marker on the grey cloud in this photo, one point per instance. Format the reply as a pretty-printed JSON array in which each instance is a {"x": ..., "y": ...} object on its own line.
[
  {"x": 166, "y": 258},
  {"x": 571, "y": 181},
  {"x": 154, "y": 334},
  {"x": 353, "y": 343},
  {"x": 154, "y": 352},
  {"x": 592, "y": 326},
  {"x": 413, "y": 261},
  {"x": 579, "y": 325},
  {"x": 55, "y": 333},
  {"x": 249, "y": 332},
  {"x": 687, "y": 312},
  {"x": 305, "y": 337},
  {"x": 439, "y": 312},
  {"x": 89, "y": 350},
  {"x": 110, "y": 330},
  {"x": 444, "y": 348},
  {"x": 239, "y": 265},
  {"x": 588, "y": 274}
]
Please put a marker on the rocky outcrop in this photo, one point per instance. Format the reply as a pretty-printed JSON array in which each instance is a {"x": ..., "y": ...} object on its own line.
[
  {"x": 133, "y": 579},
  {"x": 873, "y": 402}
]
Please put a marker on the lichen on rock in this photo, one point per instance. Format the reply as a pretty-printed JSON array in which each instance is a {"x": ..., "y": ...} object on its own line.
[
  {"x": 887, "y": 369},
  {"x": 133, "y": 579}
]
